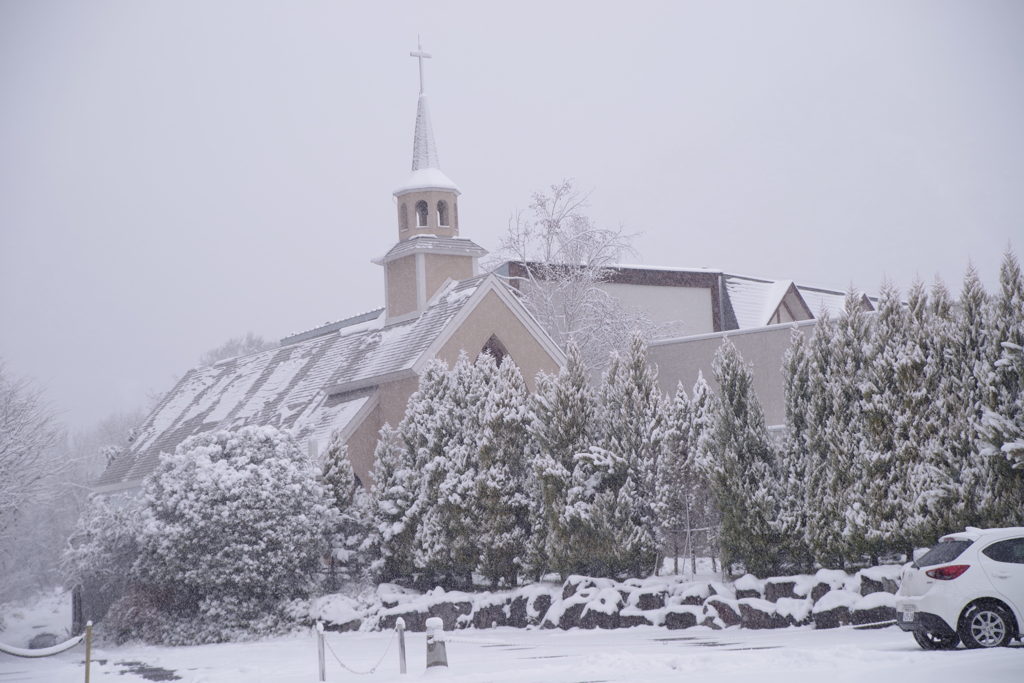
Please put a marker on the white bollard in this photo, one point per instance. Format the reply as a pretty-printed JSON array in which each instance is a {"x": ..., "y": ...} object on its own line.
[
  {"x": 436, "y": 655},
  {"x": 400, "y": 625},
  {"x": 320, "y": 650}
]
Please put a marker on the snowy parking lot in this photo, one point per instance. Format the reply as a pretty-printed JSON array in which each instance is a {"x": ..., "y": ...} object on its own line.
[{"x": 505, "y": 654}]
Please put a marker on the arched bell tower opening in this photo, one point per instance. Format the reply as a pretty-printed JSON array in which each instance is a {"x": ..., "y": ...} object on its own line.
[{"x": 422, "y": 215}]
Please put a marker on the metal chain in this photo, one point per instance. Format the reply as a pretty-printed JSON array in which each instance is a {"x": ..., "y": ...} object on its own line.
[{"x": 362, "y": 673}]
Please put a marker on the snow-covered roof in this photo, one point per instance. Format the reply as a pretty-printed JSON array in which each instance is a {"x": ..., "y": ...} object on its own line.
[
  {"x": 453, "y": 246},
  {"x": 426, "y": 169},
  {"x": 821, "y": 300},
  {"x": 755, "y": 301},
  {"x": 359, "y": 320},
  {"x": 311, "y": 387}
]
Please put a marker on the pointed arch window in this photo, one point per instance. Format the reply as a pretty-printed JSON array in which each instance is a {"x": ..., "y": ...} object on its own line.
[
  {"x": 403, "y": 217},
  {"x": 496, "y": 349},
  {"x": 421, "y": 214},
  {"x": 442, "y": 214}
]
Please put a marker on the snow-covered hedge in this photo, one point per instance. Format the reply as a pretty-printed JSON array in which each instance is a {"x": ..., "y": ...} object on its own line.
[{"x": 232, "y": 535}]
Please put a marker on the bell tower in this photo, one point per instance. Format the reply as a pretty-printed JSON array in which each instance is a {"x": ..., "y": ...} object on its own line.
[
  {"x": 428, "y": 200},
  {"x": 429, "y": 252}
]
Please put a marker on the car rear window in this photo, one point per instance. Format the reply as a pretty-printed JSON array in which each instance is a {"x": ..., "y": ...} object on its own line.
[
  {"x": 1011, "y": 550},
  {"x": 947, "y": 551}
]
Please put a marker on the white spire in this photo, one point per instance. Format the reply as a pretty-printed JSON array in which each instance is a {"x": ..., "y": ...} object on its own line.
[
  {"x": 424, "y": 152},
  {"x": 426, "y": 170}
]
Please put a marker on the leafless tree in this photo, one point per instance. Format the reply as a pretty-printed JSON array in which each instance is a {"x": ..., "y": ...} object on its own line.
[
  {"x": 563, "y": 259},
  {"x": 28, "y": 430}
]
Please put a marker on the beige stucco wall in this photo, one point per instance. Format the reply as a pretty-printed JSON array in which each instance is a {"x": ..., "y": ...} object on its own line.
[
  {"x": 439, "y": 268},
  {"x": 392, "y": 399},
  {"x": 401, "y": 291},
  {"x": 690, "y": 307},
  {"x": 681, "y": 360},
  {"x": 492, "y": 316},
  {"x": 431, "y": 197}
]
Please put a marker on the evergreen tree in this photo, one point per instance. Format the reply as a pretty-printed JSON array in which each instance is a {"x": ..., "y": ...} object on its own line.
[
  {"x": 675, "y": 492},
  {"x": 1001, "y": 430},
  {"x": 702, "y": 437},
  {"x": 632, "y": 421},
  {"x": 393, "y": 508},
  {"x": 563, "y": 425},
  {"x": 503, "y": 493},
  {"x": 958, "y": 480},
  {"x": 445, "y": 544},
  {"x": 892, "y": 400},
  {"x": 793, "y": 462},
  {"x": 209, "y": 511},
  {"x": 824, "y": 512},
  {"x": 348, "y": 507},
  {"x": 740, "y": 467}
]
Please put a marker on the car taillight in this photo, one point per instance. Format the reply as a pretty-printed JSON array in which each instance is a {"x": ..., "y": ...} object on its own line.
[{"x": 948, "y": 573}]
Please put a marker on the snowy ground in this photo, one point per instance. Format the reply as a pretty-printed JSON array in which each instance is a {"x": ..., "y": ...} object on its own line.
[{"x": 637, "y": 654}]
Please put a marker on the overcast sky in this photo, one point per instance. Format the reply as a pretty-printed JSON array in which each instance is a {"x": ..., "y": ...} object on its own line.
[{"x": 174, "y": 174}]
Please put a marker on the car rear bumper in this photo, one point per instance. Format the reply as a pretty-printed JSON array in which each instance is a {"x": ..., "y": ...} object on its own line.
[{"x": 925, "y": 622}]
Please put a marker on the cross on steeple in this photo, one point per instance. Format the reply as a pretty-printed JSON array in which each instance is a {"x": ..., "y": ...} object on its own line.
[{"x": 421, "y": 55}]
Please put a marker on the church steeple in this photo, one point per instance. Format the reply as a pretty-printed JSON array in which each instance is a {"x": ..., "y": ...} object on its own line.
[
  {"x": 429, "y": 253},
  {"x": 427, "y": 201}
]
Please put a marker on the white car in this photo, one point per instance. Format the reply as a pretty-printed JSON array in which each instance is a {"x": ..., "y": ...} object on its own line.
[{"x": 969, "y": 587}]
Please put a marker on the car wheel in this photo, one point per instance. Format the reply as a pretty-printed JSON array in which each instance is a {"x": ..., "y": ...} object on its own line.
[
  {"x": 936, "y": 641},
  {"x": 986, "y": 626}
]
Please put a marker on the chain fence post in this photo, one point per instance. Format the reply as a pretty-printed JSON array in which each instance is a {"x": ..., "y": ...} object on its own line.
[
  {"x": 436, "y": 654},
  {"x": 88, "y": 648},
  {"x": 320, "y": 651},
  {"x": 400, "y": 625}
]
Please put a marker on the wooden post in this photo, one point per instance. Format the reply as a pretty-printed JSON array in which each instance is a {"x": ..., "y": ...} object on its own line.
[
  {"x": 88, "y": 648},
  {"x": 320, "y": 651},
  {"x": 400, "y": 625}
]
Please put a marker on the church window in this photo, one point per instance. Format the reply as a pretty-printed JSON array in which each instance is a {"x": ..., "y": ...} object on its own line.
[
  {"x": 496, "y": 349},
  {"x": 421, "y": 214},
  {"x": 442, "y": 213},
  {"x": 403, "y": 217},
  {"x": 456, "y": 212}
]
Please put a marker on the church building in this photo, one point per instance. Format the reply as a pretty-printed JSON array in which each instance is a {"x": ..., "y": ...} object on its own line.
[{"x": 352, "y": 376}]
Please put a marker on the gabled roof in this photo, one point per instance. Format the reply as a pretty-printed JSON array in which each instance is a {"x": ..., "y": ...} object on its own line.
[
  {"x": 311, "y": 387},
  {"x": 755, "y": 302}
]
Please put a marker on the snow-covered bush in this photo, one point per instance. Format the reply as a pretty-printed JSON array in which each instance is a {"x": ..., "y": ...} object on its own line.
[{"x": 233, "y": 528}]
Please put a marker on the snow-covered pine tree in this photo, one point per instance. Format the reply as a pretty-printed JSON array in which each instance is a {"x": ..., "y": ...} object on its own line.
[
  {"x": 702, "y": 436},
  {"x": 346, "y": 499},
  {"x": 445, "y": 545},
  {"x": 793, "y": 458},
  {"x": 632, "y": 424},
  {"x": 563, "y": 425},
  {"x": 393, "y": 508},
  {"x": 740, "y": 466},
  {"x": 892, "y": 392},
  {"x": 675, "y": 485},
  {"x": 1001, "y": 430},
  {"x": 503, "y": 496},
  {"x": 957, "y": 483},
  {"x": 823, "y": 508}
]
